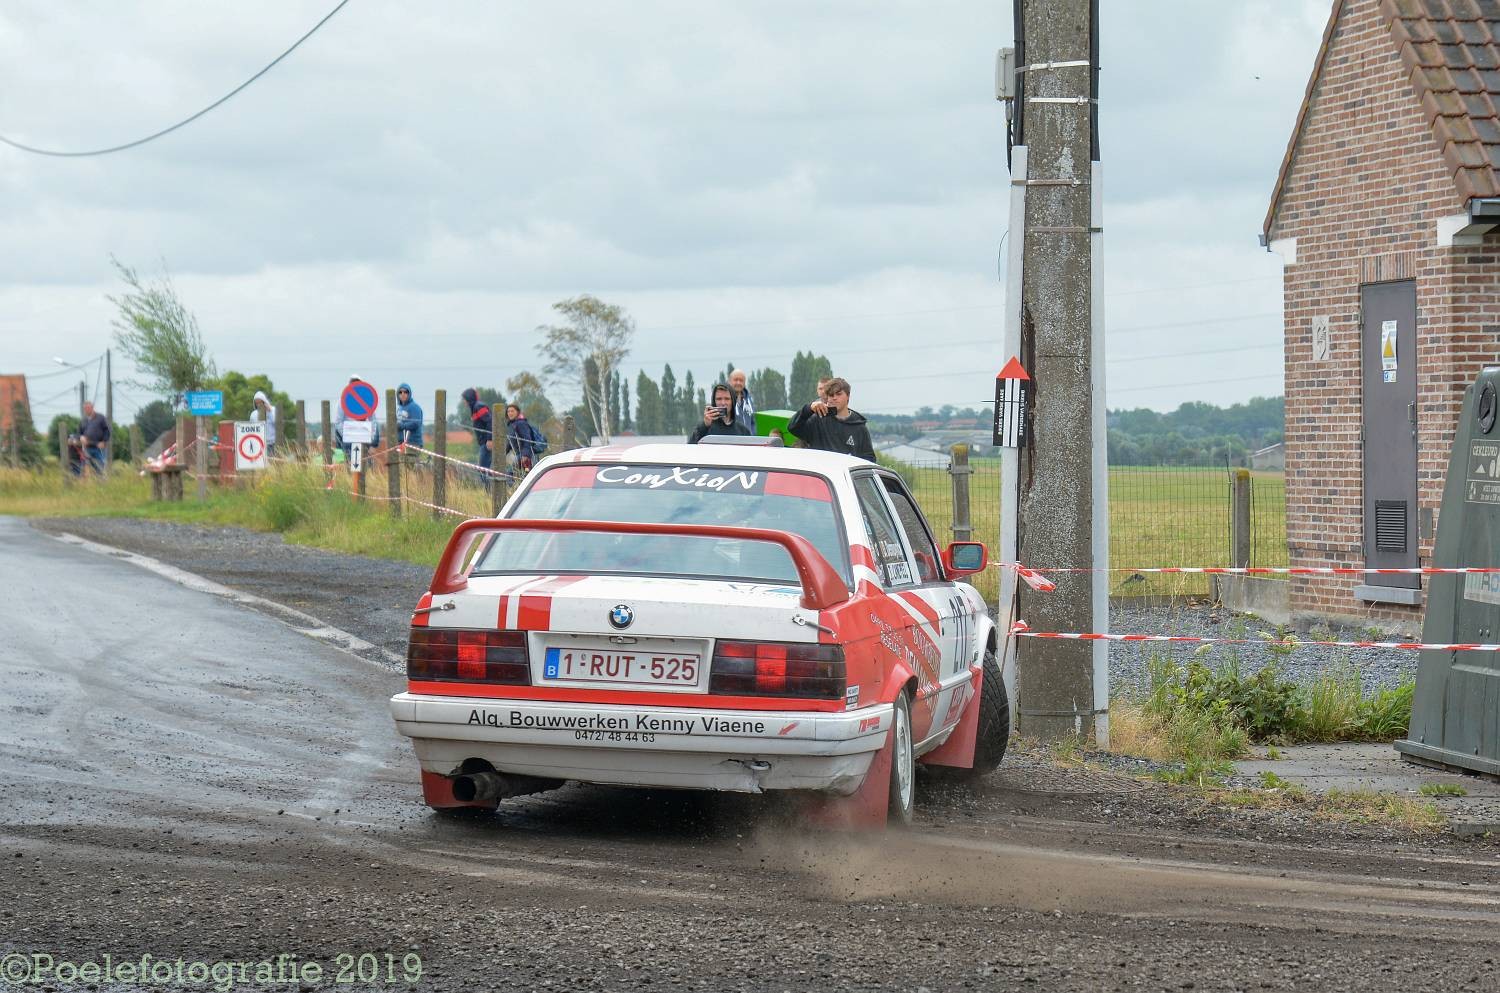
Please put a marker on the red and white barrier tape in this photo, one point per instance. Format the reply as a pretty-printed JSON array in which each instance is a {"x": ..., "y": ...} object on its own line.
[
  {"x": 1022, "y": 630},
  {"x": 1037, "y": 581}
]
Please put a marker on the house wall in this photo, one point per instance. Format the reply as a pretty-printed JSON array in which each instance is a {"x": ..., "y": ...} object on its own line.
[{"x": 1363, "y": 196}]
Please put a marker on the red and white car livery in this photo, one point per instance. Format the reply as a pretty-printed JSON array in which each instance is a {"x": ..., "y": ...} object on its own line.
[{"x": 708, "y": 617}]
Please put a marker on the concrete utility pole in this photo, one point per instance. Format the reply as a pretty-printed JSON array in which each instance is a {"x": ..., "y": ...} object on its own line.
[{"x": 1062, "y": 686}]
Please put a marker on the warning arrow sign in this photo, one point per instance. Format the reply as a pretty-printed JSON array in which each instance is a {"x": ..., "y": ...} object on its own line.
[{"x": 1012, "y": 389}]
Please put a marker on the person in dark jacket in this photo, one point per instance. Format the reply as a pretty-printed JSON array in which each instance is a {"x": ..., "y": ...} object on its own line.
[
  {"x": 828, "y": 425},
  {"x": 94, "y": 432},
  {"x": 482, "y": 422},
  {"x": 719, "y": 418},
  {"x": 408, "y": 417},
  {"x": 744, "y": 403},
  {"x": 522, "y": 438}
]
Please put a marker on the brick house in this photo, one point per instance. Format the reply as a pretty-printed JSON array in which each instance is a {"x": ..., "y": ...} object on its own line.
[
  {"x": 1385, "y": 214},
  {"x": 12, "y": 392}
]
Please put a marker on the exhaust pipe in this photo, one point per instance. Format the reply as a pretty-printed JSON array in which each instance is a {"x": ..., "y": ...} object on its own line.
[
  {"x": 491, "y": 787},
  {"x": 479, "y": 787}
]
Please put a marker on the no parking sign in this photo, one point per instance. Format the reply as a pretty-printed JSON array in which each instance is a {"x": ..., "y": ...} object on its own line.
[{"x": 249, "y": 445}]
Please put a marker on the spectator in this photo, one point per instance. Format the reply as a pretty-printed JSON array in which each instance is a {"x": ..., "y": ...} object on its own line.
[
  {"x": 522, "y": 438},
  {"x": 482, "y": 422},
  {"x": 823, "y": 385},
  {"x": 719, "y": 418},
  {"x": 408, "y": 417},
  {"x": 744, "y": 404},
  {"x": 830, "y": 426},
  {"x": 338, "y": 421},
  {"x": 263, "y": 410},
  {"x": 94, "y": 433}
]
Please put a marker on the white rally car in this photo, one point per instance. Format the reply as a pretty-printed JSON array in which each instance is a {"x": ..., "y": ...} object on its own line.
[{"x": 709, "y": 617}]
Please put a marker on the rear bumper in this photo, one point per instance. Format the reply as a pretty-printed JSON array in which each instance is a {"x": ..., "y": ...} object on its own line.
[{"x": 744, "y": 751}]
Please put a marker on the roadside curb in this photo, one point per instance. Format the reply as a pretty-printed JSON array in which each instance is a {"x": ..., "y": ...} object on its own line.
[{"x": 302, "y": 623}]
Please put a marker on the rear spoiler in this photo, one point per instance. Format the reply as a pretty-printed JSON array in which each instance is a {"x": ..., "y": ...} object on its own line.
[{"x": 821, "y": 586}]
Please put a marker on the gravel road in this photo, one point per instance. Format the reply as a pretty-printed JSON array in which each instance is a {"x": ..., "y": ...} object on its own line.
[{"x": 227, "y": 789}]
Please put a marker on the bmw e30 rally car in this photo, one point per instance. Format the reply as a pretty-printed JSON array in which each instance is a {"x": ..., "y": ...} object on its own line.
[{"x": 713, "y": 617}]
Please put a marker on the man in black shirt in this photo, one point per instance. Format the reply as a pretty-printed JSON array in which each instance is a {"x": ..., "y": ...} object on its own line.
[{"x": 829, "y": 425}]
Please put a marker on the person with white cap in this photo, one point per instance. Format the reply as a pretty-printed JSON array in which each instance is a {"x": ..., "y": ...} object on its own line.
[{"x": 264, "y": 410}]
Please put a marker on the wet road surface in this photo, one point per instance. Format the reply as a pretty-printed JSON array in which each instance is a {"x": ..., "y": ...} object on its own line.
[{"x": 185, "y": 777}]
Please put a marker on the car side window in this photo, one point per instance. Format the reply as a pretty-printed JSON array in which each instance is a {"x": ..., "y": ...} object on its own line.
[
  {"x": 922, "y": 547},
  {"x": 890, "y": 554}
]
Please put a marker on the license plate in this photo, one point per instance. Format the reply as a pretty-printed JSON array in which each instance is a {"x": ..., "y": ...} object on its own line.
[{"x": 633, "y": 668}]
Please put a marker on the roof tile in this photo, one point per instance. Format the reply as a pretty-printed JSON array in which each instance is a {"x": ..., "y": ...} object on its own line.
[{"x": 1484, "y": 56}]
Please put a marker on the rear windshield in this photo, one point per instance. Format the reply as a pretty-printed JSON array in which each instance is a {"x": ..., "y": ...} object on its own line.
[{"x": 662, "y": 494}]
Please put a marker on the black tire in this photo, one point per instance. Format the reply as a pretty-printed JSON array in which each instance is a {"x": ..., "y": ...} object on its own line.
[
  {"x": 994, "y": 719},
  {"x": 903, "y": 786}
]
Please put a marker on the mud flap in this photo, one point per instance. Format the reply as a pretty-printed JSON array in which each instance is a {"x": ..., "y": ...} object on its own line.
[
  {"x": 437, "y": 793},
  {"x": 958, "y": 751},
  {"x": 863, "y": 810}
]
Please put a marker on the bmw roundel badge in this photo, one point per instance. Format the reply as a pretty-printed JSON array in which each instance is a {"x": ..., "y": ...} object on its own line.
[{"x": 621, "y": 616}]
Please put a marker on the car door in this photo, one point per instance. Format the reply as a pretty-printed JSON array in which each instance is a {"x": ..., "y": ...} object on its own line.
[
  {"x": 944, "y": 609},
  {"x": 916, "y": 626},
  {"x": 899, "y": 624}
]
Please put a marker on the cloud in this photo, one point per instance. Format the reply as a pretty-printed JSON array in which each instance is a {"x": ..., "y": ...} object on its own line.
[{"x": 416, "y": 185}]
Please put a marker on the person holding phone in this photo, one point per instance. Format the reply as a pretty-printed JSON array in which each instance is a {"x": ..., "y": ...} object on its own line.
[
  {"x": 718, "y": 417},
  {"x": 828, "y": 424}
]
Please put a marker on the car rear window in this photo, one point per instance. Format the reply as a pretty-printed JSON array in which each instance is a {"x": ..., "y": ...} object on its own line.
[{"x": 663, "y": 494}]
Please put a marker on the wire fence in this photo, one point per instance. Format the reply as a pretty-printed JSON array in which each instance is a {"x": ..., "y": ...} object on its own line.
[{"x": 1159, "y": 516}]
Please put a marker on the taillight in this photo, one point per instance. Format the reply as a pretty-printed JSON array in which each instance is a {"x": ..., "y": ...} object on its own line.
[
  {"x": 774, "y": 668},
  {"x": 470, "y": 656}
]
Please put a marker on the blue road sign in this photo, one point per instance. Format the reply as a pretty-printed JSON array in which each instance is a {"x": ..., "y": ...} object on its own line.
[
  {"x": 205, "y": 403},
  {"x": 359, "y": 400}
]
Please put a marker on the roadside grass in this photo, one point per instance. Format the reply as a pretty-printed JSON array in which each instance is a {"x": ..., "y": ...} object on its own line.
[
  {"x": 289, "y": 499},
  {"x": 1159, "y": 516},
  {"x": 1337, "y": 806},
  {"x": 1442, "y": 789}
]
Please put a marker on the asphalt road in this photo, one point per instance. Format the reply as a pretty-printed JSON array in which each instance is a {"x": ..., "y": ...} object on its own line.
[{"x": 187, "y": 778}]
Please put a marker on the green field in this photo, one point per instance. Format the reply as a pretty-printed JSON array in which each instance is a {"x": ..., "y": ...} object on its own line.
[{"x": 1158, "y": 516}]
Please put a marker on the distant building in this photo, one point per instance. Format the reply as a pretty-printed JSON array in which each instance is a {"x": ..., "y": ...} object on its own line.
[
  {"x": 12, "y": 390},
  {"x": 962, "y": 424},
  {"x": 1270, "y": 457},
  {"x": 1384, "y": 214}
]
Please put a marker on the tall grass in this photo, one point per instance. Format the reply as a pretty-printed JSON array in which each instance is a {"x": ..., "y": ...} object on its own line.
[{"x": 291, "y": 499}]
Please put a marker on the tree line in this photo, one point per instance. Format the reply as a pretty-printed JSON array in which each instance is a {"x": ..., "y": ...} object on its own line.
[{"x": 1195, "y": 433}]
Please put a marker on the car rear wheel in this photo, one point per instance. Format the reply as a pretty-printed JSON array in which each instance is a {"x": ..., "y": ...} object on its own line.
[
  {"x": 903, "y": 765},
  {"x": 993, "y": 733}
]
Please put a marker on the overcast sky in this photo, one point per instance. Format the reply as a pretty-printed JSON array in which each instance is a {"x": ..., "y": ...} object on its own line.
[{"x": 405, "y": 195}]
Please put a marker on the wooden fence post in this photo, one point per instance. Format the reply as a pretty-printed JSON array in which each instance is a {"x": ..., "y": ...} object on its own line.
[
  {"x": 301, "y": 452},
  {"x": 393, "y": 455},
  {"x": 1240, "y": 518},
  {"x": 62, "y": 449},
  {"x": 174, "y": 483},
  {"x": 440, "y": 446},
  {"x": 327, "y": 441},
  {"x": 498, "y": 491},
  {"x": 137, "y": 443},
  {"x": 200, "y": 457},
  {"x": 960, "y": 470}
]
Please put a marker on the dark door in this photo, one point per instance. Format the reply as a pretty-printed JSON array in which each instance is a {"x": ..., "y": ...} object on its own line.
[{"x": 1388, "y": 355}]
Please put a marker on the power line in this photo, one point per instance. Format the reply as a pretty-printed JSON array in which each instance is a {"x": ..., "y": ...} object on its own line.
[{"x": 186, "y": 121}]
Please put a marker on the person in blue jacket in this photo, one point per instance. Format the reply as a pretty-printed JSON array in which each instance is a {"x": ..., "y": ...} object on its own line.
[
  {"x": 522, "y": 438},
  {"x": 408, "y": 417},
  {"x": 482, "y": 422}
]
